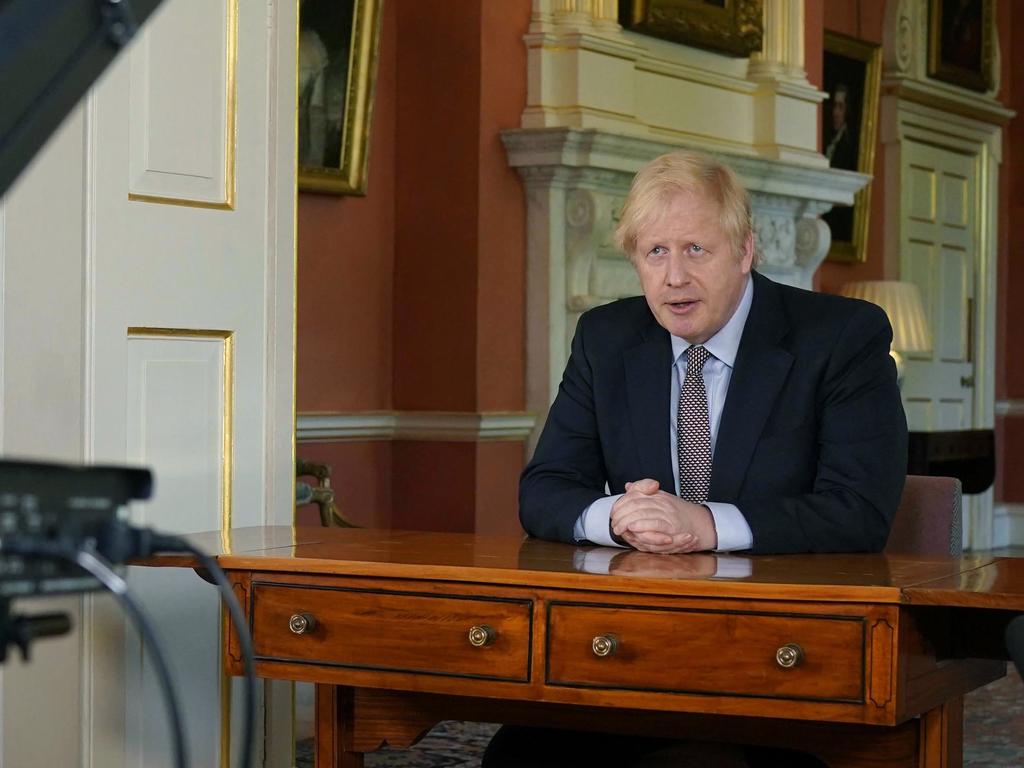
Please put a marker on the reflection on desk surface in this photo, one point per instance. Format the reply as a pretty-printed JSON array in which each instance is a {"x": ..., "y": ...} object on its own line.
[{"x": 515, "y": 560}]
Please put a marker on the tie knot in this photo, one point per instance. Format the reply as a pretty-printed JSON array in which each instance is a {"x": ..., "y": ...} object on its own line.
[{"x": 695, "y": 359}]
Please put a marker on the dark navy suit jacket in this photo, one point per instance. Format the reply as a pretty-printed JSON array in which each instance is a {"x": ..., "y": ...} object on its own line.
[{"x": 812, "y": 443}]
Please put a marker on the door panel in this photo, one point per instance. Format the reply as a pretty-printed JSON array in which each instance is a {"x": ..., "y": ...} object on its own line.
[
  {"x": 184, "y": 372},
  {"x": 938, "y": 255}
]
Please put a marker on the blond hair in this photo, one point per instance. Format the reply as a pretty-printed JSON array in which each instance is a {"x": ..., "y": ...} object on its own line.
[{"x": 679, "y": 172}]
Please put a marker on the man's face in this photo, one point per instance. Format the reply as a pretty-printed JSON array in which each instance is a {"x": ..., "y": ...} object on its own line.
[
  {"x": 692, "y": 279},
  {"x": 838, "y": 110}
]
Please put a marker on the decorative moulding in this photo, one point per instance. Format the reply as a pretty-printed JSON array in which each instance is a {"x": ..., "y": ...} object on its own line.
[
  {"x": 1013, "y": 408},
  {"x": 443, "y": 426}
]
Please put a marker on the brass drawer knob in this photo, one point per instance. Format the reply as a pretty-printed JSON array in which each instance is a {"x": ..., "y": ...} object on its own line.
[
  {"x": 301, "y": 623},
  {"x": 481, "y": 635},
  {"x": 790, "y": 655},
  {"x": 604, "y": 645}
]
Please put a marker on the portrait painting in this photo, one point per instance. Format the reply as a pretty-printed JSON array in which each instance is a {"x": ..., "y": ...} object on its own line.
[
  {"x": 851, "y": 76},
  {"x": 732, "y": 27},
  {"x": 960, "y": 40},
  {"x": 337, "y": 61}
]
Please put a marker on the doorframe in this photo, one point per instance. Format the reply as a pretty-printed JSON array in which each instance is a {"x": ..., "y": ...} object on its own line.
[{"x": 907, "y": 120}]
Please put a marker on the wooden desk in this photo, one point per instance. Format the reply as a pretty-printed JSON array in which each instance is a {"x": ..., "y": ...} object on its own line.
[{"x": 404, "y": 629}]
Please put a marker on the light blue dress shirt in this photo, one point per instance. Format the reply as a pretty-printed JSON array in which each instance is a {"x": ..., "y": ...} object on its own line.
[{"x": 732, "y": 528}]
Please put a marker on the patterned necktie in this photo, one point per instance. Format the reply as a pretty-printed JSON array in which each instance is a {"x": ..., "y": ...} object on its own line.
[{"x": 693, "y": 432}]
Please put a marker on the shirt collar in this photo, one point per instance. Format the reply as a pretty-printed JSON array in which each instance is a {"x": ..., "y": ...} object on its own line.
[{"x": 726, "y": 343}]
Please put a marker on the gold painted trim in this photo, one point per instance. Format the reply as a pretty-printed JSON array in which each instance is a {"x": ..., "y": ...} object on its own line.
[
  {"x": 227, "y": 453},
  {"x": 857, "y": 249},
  {"x": 226, "y": 697},
  {"x": 350, "y": 177},
  {"x": 230, "y": 130},
  {"x": 231, "y": 119},
  {"x": 227, "y": 431},
  {"x": 295, "y": 280},
  {"x": 184, "y": 202}
]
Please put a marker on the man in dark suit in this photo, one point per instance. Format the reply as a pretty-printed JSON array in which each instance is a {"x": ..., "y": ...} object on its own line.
[
  {"x": 721, "y": 411},
  {"x": 808, "y": 435}
]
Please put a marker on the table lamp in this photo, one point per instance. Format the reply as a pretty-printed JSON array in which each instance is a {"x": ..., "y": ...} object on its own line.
[{"x": 902, "y": 303}]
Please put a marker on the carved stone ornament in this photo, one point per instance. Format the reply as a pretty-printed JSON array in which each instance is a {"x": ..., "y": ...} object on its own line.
[
  {"x": 735, "y": 27},
  {"x": 904, "y": 37}
]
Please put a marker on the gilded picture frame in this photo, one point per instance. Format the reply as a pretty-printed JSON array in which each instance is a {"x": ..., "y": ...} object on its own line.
[
  {"x": 337, "y": 68},
  {"x": 733, "y": 27},
  {"x": 852, "y": 74},
  {"x": 961, "y": 38}
]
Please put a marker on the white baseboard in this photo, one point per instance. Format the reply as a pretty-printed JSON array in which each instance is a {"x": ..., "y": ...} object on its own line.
[
  {"x": 440, "y": 426},
  {"x": 1008, "y": 525}
]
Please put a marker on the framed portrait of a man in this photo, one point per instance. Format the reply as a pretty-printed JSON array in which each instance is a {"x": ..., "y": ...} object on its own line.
[
  {"x": 960, "y": 42},
  {"x": 337, "y": 63},
  {"x": 851, "y": 73}
]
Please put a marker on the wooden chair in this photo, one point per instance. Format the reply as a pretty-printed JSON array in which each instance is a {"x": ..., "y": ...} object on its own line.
[
  {"x": 929, "y": 519},
  {"x": 320, "y": 494}
]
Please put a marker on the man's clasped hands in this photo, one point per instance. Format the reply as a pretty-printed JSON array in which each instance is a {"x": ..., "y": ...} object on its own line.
[{"x": 651, "y": 520}]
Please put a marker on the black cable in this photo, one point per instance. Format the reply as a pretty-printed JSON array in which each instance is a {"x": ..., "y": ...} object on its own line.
[
  {"x": 94, "y": 565},
  {"x": 244, "y": 640},
  {"x": 120, "y": 541}
]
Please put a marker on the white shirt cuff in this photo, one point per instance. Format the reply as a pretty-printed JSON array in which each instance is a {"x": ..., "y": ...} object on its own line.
[
  {"x": 729, "y": 567},
  {"x": 732, "y": 527},
  {"x": 593, "y": 524},
  {"x": 596, "y": 560}
]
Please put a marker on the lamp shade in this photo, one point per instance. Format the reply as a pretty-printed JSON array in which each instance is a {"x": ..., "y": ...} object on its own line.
[{"x": 902, "y": 303}]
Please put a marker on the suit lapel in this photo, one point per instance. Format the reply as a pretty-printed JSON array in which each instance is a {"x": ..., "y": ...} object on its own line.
[
  {"x": 647, "y": 368},
  {"x": 758, "y": 376}
]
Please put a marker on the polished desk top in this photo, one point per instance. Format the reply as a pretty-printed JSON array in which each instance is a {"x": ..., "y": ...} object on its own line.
[{"x": 971, "y": 580}]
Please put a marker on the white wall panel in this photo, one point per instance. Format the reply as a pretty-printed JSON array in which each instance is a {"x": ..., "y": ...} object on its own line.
[
  {"x": 922, "y": 193},
  {"x": 41, "y": 255},
  {"x": 952, "y": 286},
  {"x": 182, "y": 132},
  {"x": 82, "y": 264},
  {"x": 954, "y": 200},
  {"x": 179, "y": 422}
]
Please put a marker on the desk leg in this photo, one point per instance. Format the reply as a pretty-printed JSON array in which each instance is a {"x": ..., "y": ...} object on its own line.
[
  {"x": 334, "y": 728},
  {"x": 942, "y": 736}
]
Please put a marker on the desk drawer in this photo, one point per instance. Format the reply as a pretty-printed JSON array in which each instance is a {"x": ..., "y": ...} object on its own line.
[
  {"x": 713, "y": 652},
  {"x": 402, "y": 632}
]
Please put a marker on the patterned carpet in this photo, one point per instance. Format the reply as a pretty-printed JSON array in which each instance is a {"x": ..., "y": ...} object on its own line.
[
  {"x": 994, "y": 724},
  {"x": 993, "y": 736},
  {"x": 450, "y": 744}
]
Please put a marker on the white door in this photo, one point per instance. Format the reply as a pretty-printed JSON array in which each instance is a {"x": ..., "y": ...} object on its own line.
[
  {"x": 178, "y": 197},
  {"x": 939, "y": 255},
  {"x": 947, "y": 228}
]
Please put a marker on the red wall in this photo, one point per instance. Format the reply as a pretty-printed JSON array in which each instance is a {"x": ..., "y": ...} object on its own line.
[{"x": 412, "y": 298}]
